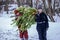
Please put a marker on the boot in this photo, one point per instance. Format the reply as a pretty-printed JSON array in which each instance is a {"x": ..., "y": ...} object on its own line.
[
  {"x": 26, "y": 38},
  {"x": 22, "y": 38}
]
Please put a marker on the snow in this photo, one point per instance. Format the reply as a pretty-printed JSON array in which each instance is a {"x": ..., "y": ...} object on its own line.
[
  {"x": 13, "y": 6},
  {"x": 56, "y": 18},
  {"x": 8, "y": 32}
]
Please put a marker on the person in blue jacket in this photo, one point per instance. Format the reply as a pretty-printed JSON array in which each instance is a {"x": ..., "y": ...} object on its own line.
[{"x": 42, "y": 23}]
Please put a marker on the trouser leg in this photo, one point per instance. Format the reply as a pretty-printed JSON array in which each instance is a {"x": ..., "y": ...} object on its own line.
[
  {"x": 40, "y": 35},
  {"x": 26, "y": 35},
  {"x": 44, "y": 35}
]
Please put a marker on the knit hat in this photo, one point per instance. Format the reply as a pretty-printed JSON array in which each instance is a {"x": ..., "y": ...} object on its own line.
[{"x": 39, "y": 6}]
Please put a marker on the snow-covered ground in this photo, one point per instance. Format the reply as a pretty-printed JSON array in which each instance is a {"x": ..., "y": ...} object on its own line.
[{"x": 8, "y": 32}]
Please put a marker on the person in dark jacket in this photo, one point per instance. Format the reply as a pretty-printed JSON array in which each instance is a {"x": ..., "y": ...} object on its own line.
[{"x": 42, "y": 23}]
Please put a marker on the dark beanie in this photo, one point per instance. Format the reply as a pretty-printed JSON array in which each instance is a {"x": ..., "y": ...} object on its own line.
[{"x": 39, "y": 6}]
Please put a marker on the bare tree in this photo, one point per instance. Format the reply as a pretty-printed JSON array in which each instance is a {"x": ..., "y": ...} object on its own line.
[
  {"x": 6, "y": 5},
  {"x": 53, "y": 7},
  {"x": 29, "y": 2},
  {"x": 37, "y": 3},
  {"x": 50, "y": 10},
  {"x": 58, "y": 7},
  {"x": 18, "y": 2},
  {"x": 44, "y": 3}
]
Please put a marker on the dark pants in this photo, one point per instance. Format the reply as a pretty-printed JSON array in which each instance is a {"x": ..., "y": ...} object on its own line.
[{"x": 42, "y": 33}]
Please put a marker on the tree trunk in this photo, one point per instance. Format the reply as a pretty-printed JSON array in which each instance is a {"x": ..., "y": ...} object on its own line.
[
  {"x": 50, "y": 11},
  {"x": 44, "y": 3},
  {"x": 53, "y": 8},
  {"x": 18, "y": 2},
  {"x": 29, "y": 2},
  {"x": 59, "y": 3},
  {"x": 37, "y": 2},
  {"x": 6, "y": 5}
]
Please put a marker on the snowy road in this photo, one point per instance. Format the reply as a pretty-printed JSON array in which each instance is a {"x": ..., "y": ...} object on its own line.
[{"x": 7, "y": 32}]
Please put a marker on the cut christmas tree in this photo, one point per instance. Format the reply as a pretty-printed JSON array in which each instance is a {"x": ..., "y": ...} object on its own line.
[{"x": 25, "y": 17}]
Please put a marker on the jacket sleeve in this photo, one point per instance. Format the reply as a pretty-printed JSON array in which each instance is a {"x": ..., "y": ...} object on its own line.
[
  {"x": 46, "y": 20},
  {"x": 36, "y": 18}
]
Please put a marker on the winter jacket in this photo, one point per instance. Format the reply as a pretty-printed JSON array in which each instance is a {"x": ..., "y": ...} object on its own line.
[{"x": 42, "y": 20}]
